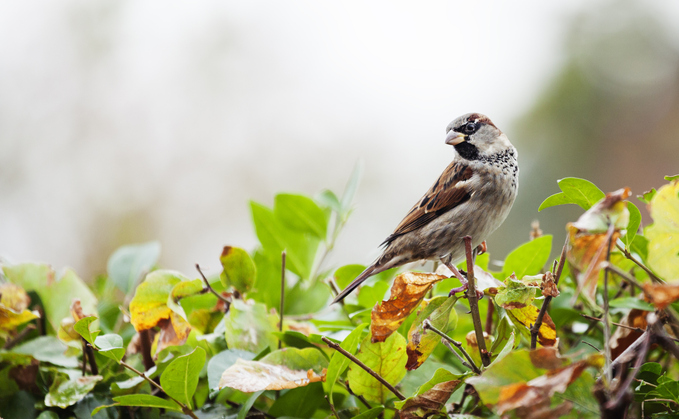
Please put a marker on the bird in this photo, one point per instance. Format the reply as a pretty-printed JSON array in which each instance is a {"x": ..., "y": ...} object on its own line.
[{"x": 472, "y": 197}]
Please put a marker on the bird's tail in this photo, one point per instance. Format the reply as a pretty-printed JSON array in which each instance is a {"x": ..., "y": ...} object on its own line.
[{"x": 369, "y": 271}]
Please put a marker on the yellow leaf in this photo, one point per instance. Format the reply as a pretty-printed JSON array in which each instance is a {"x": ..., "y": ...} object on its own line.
[{"x": 663, "y": 234}]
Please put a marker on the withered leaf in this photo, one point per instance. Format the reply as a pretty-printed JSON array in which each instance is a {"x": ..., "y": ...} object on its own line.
[
  {"x": 661, "y": 295},
  {"x": 421, "y": 341},
  {"x": 173, "y": 332},
  {"x": 251, "y": 376},
  {"x": 549, "y": 288},
  {"x": 407, "y": 293},
  {"x": 428, "y": 402},
  {"x": 624, "y": 337}
]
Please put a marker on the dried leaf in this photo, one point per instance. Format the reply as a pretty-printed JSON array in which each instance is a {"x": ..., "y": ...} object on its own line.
[
  {"x": 407, "y": 293},
  {"x": 430, "y": 401},
  {"x": 661, "y": 295},
  {"x": 624, "y": 337},
  {"x": 663, "y": 234},
  {"x": 515, "y": 294},
  {"x": 173, "y": 332},
  {"x": 525, "y": 317},
  {"x": 587, "y": 238},
  {"x": 549, "y": 288}
]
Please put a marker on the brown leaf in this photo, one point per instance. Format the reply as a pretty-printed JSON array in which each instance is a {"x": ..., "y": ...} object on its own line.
[
  {"x": 624, "y": 337},
  {"x": 549, "y": 288},
  {"x": 428, "y": 402},
  {"x": 532, "y": 399},
  {"x": 407, "y": 293},
  {"x": 173, "y": 332},
  {"x": 251, "y": 376},
  {"x": 661, "y": 295}
]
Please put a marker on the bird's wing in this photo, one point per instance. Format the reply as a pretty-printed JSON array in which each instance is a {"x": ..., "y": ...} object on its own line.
[{"x": 449, "y": 191}]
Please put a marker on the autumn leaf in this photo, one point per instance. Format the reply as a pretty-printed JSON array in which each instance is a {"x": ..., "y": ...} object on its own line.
[
  {"x": 431, "y": 396},
  {"x": 623, "y": 336},
  {"x": 282, "y": 369},
  {"x": 407, "y": 293},
  {"x": 421, "y": 341},
  {"x": 13, "y": 313},
  {"x": 588, "y": 237},
  {"x": 149, "y": 305},
  {"x": 663, "y": 234},
  {"x": 525, "y": 317},
  {"x": 661, "y": 295}
]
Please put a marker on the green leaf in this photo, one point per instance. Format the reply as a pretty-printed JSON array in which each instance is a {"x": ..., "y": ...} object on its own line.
[
  {"x": 671, "y": 178},
  {"x": 582, "y": 192},
  {"x": 370, "y": 414},
  {"x": 48, "y": 414},
  {"x": 239, "y": 269},
  {"x": 183, "y": 290},
  {"x": 301, "y": 213},
  {"x": 330, "y": 200},
  {"x": 128, "y": 264},
  {"x": 249, "y": 326},
  {"x": 64, "y": 392},
  {"x": 347, "y": 273},
  {"x": 631, "y": 302},
  {"x": 351, "y": 187},
  {"x": 421, "y": 341},
  {"x": 48, "y": 349},
  {"x": 82, "y": 326},
  {"x": 180, "y": 378},
  {"x": 368, "y": 295},
  {"x": 268, "y": 277},
  {"x": 300, "y": 402},
  {"x": 529, "y": 258},
  {"x": 248, "y": 404},
  {"x": 633, "y": 225},
  {"x": 223, "y": 360},
  {"x": 338, "y": 362},
  {"x": 110, "y": 346},
  {"x": 145, "y": 400},
  {"x": 663, "y": 234},
  {"x": 554, "y": 200},
  {"x": 647, "y": 196},
  {"x": 386, "y": 358},
  {"x": 515, "y": 294},
  {"x": 668, "y": 390}
]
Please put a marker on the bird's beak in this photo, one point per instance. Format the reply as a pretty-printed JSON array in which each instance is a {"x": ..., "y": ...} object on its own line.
[{"x": 455, "y": 138}]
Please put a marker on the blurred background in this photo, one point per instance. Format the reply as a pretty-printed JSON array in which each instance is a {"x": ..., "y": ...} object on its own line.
[{"x": 128, "y": 121}]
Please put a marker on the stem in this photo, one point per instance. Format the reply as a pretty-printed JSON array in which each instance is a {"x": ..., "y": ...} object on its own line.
[
  {"x": 590, "y": 345},
  {"x": 145, "y": 336},
  {"x": 629, "y": 256},
  {"x": 280, "y": 326},
  {"x": 607, "y": 322},
  {"x": 489, "y": 316},
  {"x": 474, "y": 303},
  {"x": 334, "y": 412},
  {"x": 18, "y": 338},
  {"x": 209, "y": 287},
  {"x": 88, "y": 353},
  {"x": 427, "y": 325},
  {"x": 185, "y": 408},
  {"x": 535, "y": 329},
  {"x": 367, "y": 369},
  {"x": 358, "y": 396}
]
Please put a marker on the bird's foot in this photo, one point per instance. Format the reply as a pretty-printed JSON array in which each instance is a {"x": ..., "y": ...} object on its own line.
[
  {"x": 482, "y": 248},
  {"x": 463, "y": 288}
]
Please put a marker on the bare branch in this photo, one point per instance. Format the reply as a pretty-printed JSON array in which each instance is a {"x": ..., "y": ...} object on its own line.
[{"x": 473, "y": 299}]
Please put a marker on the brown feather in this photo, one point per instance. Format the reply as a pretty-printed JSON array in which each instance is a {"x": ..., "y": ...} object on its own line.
[{"x": 444, "y": 195}]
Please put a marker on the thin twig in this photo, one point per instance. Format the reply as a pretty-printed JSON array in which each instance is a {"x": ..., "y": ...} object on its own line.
[
  {"x": 473, "y": 299},
  {"x": 628, "y": 354},
  {"x": 607, "y": 320},
  {"x": 623, "y": 387},
  {"x": 88, "y": 353},
  {"x": 145, "y": 340},
  {"x": 209, "y": 287},
  {"x": 427, "y": 325},
  {"x": 535, "y": 329},
  {"x": 367, "y": 369},
  {"x": 83, "y": 342},
  {"x": 458, "y": 356},
  {"x": 18, "y": 338},
  {"x": 334, "y": 412},
  {"x": 629, "y": 256},
  {"x": 358, "y": 396},
  {"x": 589, "y": 344},
  {"x": 185, "y": 408}
]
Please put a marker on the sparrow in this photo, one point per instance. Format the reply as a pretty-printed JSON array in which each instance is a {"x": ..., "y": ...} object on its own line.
[{"x": 472, "y": 197}]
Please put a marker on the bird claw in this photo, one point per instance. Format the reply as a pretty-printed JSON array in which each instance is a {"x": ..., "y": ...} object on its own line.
[
  {"x": 462, "y": 289},
  {"x": 482, "y": 248}
]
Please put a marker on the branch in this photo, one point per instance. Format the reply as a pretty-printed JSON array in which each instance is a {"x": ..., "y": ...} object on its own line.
[
  {"x": 358, "y": 396},
  {"x": 367, "y": 369},
  {"x": 334, "y": 412},
  {"x": 607, "y": 324},
  {"x": 209, "y": 287},
  {"x": 18, "y": 338},
  {"x": 185, "y": 408},
  {"x": 473, "y": 299},
  {"x": 145, "y": 338},
  {"x": 280, "y": 326},
  {"x": 535, "y": 329},
  {"x": 470, "y": 364}
]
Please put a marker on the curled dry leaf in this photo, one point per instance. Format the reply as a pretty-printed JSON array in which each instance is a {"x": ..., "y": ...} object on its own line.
[
  {"x": 661, "y": 295},
  {"x": 532, "y": 400},
  {"x": 173, "y": 332},
  {"x": 407, "y": 293},
  {"x": 587, "y": 237},
  {"x": 251, "y": 376},
  {"x": 624, "y": 337},
  {"x": 428, "y": 402},
  {"x": 549, "y": 288}
]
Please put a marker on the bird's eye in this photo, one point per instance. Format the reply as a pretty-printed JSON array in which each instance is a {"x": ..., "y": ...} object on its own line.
[{"x": 470, "y": 127}]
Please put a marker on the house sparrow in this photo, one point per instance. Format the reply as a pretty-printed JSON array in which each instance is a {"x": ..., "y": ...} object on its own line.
[{"x": 472, "y": 197}]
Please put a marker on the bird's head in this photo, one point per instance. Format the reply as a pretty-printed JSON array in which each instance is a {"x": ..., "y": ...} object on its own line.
[{"x": 474, "y": 136}]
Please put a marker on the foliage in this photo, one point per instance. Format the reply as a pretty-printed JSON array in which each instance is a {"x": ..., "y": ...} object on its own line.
[{"x": 146, "y": 342}]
